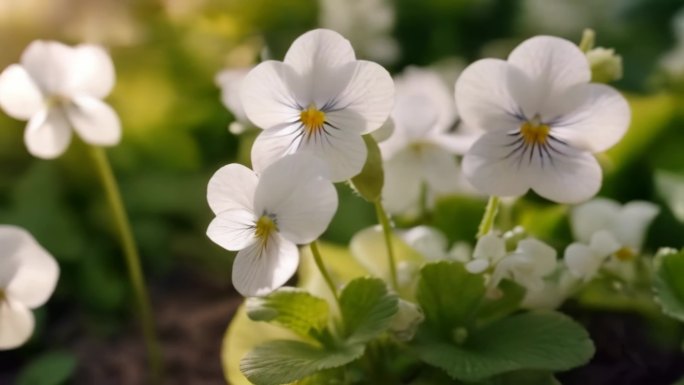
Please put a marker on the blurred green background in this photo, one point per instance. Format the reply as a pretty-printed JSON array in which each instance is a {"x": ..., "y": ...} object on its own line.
[{"x": 167, "y": 53}]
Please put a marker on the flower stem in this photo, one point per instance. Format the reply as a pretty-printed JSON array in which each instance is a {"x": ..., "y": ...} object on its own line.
[
  {"x": 588, "y": 38},
  {"x": 490, "y": 214},
  {"x": 324, "y": 272},
  {"x": 132, "y": 259},
  {"x": 387, "y": 231}
]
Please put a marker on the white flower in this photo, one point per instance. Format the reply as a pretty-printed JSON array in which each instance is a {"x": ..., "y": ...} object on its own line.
[
  {"x": 320, "y": 99},
  {"x": 528, "y": 265},
  {"x": 57, "y": 88},
  {"x": 543, "y": 120},
  {"x": 28, "y": 275},
  {"x": 421, "y": 151},
  {"x": 265, "y": 216},
  {"x": 489, "y": 250},
  {"x": 552, "y": 293},
  {"x": 230, "y": 82},
  {"x": 609, "y": 229}
]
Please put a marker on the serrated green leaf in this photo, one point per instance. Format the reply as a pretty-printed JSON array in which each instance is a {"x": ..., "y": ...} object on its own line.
[
  {"x": 368, "y": 183},
  {"x": 53, "y": 368},
  {"x": 669, "y": 285},
  {"x": 533, "y": 341},
  {"x": 367, "y": 309},
  {"x": 449, "y": 295},
  {"x": 291, "y": 308},
  {"x": 284, "y": 361},
  {"x": 508, "y": 301}
]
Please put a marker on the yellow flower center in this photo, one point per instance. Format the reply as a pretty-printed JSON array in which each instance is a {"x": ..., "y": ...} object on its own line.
[
  {"x": 534, "y": 132},
  {"x": 625, "y": 254},
  {"x": 312, "y": 118},
  {"x": 264, "y": 227}
]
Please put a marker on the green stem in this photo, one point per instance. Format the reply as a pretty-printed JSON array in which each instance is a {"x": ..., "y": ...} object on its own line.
[
  {"x": 387, "y": 231},
  {"x": 489, "y": 216},
  {"x": 132, "y": 259},
  {"x": 587, "y": 42},
  {"x": 324, "y": 272}
]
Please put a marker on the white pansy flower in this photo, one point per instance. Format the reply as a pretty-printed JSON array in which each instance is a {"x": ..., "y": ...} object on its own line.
[
  {"x": 528, "y": 265},
  {"x": 543, "y": 122},
  {"x": 421, "y": 151},
  {"x": 320, "y": 99},
  {"x": 489, "y": 250},
  {"x": 28, "y": 275},
  {"x": 265, "y": 216},
  {"x": 58, "y": 88},
  {"x": 230, "y": 82}
]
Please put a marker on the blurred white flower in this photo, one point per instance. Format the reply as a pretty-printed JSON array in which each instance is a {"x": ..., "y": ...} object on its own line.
[
  {"x": 230, "y": 82},
  {"x": 265, "y": 216},
  {"x": 367, "y": 24},
  {"x": 320, "y": 99},
  {"x": 28, "y": 275},
  {"x": 489, "y": 250},
  {"x": 421, "y": 151},
  {"x": 57, "y": 88},
  {"x": 555, "y": 289},
  {"x": 528, "y": 265},
  {"x": 542, "y": 121},
  {"x": 610, "y": 230}
]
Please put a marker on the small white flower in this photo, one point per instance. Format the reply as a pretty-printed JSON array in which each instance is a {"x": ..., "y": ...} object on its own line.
[
  {"x": 584, "y": 261},
  {"x": 489, "y": 250},
  {"x": 264, "y": 217},
  {"x": 320, "y": 99},
  {"x": 57, "y": 88},
  {"x": 230, "y": 82},
  {"x": 528, "y": 265},
  {"x": 552, "y": 293},
  {"x": 543, "y": 121},
  {"x": 421, "y": 151},
  {"x": 28, "y": 275}
]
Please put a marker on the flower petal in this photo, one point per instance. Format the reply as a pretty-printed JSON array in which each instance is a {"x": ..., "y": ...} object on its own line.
[
  {"x": 489, "y": 167},
  {"x": 417, "y": 84},
  {"x": 551, "y": 65},
  {"x": 631, "y": 224},
  {"x": 47, "y": 134},
  {"x": 491, "y": 247},
  {"x": 37, "y": 271},
  {"x": 20, "y": 97},
  {"x": 274, "y": 143},
  {"x": 572, "y": 177},
  {"x": 364, "y": 104},
  {"x": 599, "y": 122},
  {"x": 230, "y": 82},
  {"x": 263, "y": 267},
  {"x": 16, "y": 324},
  {"x": 344, "y": 152},
  {"x": 581, "y": 261},
  {"x": 403, "y": 182},
  {"x": 603, "y": 243},
  {"x": 232, "y": 187},
  {"x": 483, "y": 98},
  {"x": 48, "y": 63},
  {"x": 440, "y": 170},
  {"x": 428, "y": 241},
  {"x": 267, "y": 99},
  {"x": 542, "y": 255},
  {"x": 94, "y": 121},
  {"x": 233, "y": 229},
  {"x": 588, "y": 218},
  {"x": 297, "y": 192},
  {"x": 90, "y": 72}
]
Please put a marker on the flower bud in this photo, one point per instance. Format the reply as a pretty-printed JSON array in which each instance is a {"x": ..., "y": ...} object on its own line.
[
  {"x": 406, "y": 321},
  {"x": 606, "y": 65}
]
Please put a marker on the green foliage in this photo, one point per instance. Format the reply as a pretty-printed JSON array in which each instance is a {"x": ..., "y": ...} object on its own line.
[
  {"x": 669, "y": 285},
  {"x": 281, "y": 362},
  {"x": 506, "y": 301},
  {"x": 53, "y": 368},
  {"x": 367, "y": 309},
  {"x": 536, "y": 340},
  {"x": 292, "y": 308},
  {"x": 368, "y": 183}
]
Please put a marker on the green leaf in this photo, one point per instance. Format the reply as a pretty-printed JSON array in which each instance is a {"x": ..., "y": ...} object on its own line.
[
  {"x": 511, "y": 295},
  {"x": 292, "y": 308},
  {"x": 53, "y": 368},
  {"x": 534, "y": 341},
  {"x": 368, "y": 183},
  {"x": 367, "y": 309},
  {"x": 449, "y": 295},
  {"x": 282, "y": 361},
  {"x": 669, "y": 285},
  {"x": 526, "y": 377}
]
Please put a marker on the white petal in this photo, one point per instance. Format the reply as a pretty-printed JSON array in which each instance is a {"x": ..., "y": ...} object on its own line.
[
  {"x": 457, "y": 144},
  {"x": 631, "y": 224},
  {"x": 16, "y": 324},
  {"x": 477, "y": 266},
  {"x": 94, "y": 121},
  {"x": 542, "y": 255},
  {"x": 364, "y": 104},
  {"x": 233, "y": 229},
  {"x": 572, "y": 177},
  {"x": 48, "y": 63},
  {"x": 588, "y": 218},
  {"x": 596, "y": 124},
  {"x": 297, "y": 192},
  {"x": 37, "y": 271},
  {"x": 20, "y": 97},
  {"x": 491, "y": 247},
  {"x": 581, "y": 261},
  {"x": 483, "y": 98},
  {"x": 344, "y": 152},
  {"x": 489, "y": 167},
  {"x": 91, "y": 72},
  {"x": 440, "y": 170},
  {"x": 603, "y": 243},
  {"x": 47, "y": 134},
  {"x": 384, "y": 132},
  {"x": 403, "y": 182},
  {"x": 261, "y": 268},
  {"x": 230, "y": 82},
  {"x": 551, "y": 65},
  {"x": 267, "y": 99},
  {"x": 421, "y": 84},
  {"x": 274, "y": 143},
  {"x": 428, "y": 241},
  {"x": 416, "y": 116},
  {"x": 232, "y": 187}
]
